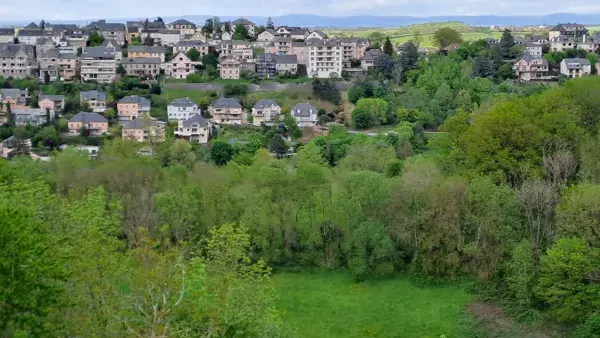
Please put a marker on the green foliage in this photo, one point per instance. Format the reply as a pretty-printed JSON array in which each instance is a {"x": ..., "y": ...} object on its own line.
[
  {"x": 194, "y": 54},
  {"x": 590, "y": 328},
  {"x": 444, "y": 37},
  {"x": 241, "y": 33},
  {"x": 388, "y": 48},
  {"x": 221, "y": 152},
  {"x": 95, "y": 39},
  {"x": 31, "y": 282},
  {"x": 564, "y": 279},
  {"x": 578, "y": 213},
  {"x": 520, "y": 276},
  {"x": 369, "y": 112},
  {"x": 235, "y": 89}
]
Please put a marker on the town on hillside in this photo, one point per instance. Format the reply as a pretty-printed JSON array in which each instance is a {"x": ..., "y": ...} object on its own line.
[{"x": 108, "y": 79}]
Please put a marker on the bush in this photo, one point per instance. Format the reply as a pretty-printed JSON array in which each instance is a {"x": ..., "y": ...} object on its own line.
[
  {"x": 590, "y": 328},
  {"x": 235, "y": 89},
  {"x": 194, "y": 78}
]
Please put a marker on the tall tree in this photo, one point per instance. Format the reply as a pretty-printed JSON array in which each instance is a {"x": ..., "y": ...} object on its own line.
[
  {"x": 241, "y": 33},
  {"x": 446, "y": 36},
  {"x": 388, "y": 48},
  {"x": 506, "y": 43},
  {"x": 269, "y": 24},
  {"x": 193, "y": 54},
  {"x": 208, "y": 26}
]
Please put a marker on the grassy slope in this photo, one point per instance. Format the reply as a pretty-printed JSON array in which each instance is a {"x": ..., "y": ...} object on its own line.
[{"x": 330, "y": 304}]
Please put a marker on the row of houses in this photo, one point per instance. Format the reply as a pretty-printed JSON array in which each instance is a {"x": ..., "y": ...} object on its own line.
[{"x": 531, "y": 66}]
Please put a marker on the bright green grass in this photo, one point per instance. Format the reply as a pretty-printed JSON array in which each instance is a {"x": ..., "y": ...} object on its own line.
[{"x": 328, "y": 304}]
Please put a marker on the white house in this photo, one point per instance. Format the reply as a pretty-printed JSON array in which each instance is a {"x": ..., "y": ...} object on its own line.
[
  {"x": 575, "y": 67},
  {"x": 265, "y": 112},
  {"x": 182, "y": 109},
  {"x": 196, "y": 128},
  {"x": 305, "y": 114}
]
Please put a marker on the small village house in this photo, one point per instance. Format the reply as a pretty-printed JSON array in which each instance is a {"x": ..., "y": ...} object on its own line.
[{"x": 92, "y": 123}]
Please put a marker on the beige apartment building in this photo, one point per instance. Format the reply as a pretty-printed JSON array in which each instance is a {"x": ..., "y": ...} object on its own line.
[
  {"x": 231, "y": 67},
  {"x": 144, "y": 130},
  {"x": 146, "y": 52},
  {"x": 226, "y": 110},
  {"x": 142, "y": 66},
  {"x": 265, "y": 112},
  {"x": 98, "y": 64},
  {"x": 16, "y": 61},
  {"x": 58, "y": 65},
  {"x": 325, "y": 59}
]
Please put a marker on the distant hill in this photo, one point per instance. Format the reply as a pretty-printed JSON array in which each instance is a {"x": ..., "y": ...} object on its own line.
[{"x": 310, "y": 20}]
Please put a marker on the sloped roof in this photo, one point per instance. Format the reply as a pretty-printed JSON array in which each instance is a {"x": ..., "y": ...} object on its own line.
[
  {"x": 242, "y": 21},
  {"x": 182, "y": 22},
  {"x": 142, "y": 101},
  {"x": 54, "y": 98},
  {"x": 182, "y": 102},
  {"x": 93, "y": 95},
  {"x": 99, "y": 52},
  {"x": 7, "y": 31},
  {"x": 226, "y": 102},
  {"x": 145, "y": 49},
  {"x": 286, "y": 59},
  {"x": 196, "y": 119},
  {"x": 141, "y": 124},
  {"x": 304, "y": 110},
  {"x": 575, "y": 63},
  {"x": 265, "y": 103},
  {"x": 31, "y": 32},
  {"x": 85, "y": 117}
]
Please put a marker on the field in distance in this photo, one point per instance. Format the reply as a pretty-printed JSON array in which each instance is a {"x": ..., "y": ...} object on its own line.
[{"x": 403, "y": 34}]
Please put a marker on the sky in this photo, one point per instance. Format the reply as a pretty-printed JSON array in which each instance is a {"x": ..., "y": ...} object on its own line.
[{"x": 56, "y": 10}]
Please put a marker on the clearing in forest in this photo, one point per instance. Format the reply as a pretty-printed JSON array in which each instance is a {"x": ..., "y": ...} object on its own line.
[{"x": 330, "y": 304}]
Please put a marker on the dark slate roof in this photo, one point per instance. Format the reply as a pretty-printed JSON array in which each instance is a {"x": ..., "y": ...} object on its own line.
[
  {"x": 196, "y": 119},
  {"x": 67, "y": 56},
  {"x": 266, "y": 57},
  {"x": 110, "y": 43},
  {"x": 298, "y": 31},
  {"x": 140, "y": 124},
  {"x": 54, "y": 98},
  {"x": 169, "y": 31},
  {"x": 32, "y": 25},
  {"x": 62, "y": 27},
  {"x": 182, "y": 102},
  {"x": 84, "y": 117},
  {"x": 320, "y": 33},
  {"x": 242, "y": 21},
  {"x": 93, "y": 95},
  {"x": 51, "y": 54},
  {"x": 578, "y": 62},
  {"x": 226, "y": 102},
  {"x": 31, "y": 32},
  {"x": 189, "y": 43},
  {"x": 286, "y": 59},
  {"x": 7, "y": 31},
  {"x": 10, "y": 50},
  {"x": 265, "y": 103},
  {"x": 135, "y": 99},
  {"x": 145, "y": 49},
  {"x": 99, "y": 52},
  {"x": 373, "y": 54},
  {"x": 133, "y": 29},
  {"x": 304, "y": 109},
  {"x": 563, "y": 27},
  {"x": 10, "y": 92},
  {"x": 106, "y": 26},
  {"x": 528, "y": 57},
  {"x": 182, "y": 22}
]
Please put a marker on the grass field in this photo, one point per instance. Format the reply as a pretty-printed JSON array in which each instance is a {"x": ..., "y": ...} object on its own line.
[
  {"x": 328, "y": 304},
  {"x": 467, "y": 36}
]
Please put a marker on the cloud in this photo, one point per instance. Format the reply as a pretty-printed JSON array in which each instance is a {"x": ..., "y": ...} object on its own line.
[{"x": 20, "y": 10}]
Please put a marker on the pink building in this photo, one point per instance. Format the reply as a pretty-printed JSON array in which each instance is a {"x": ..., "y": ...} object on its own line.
[
  {"x": 94, "y": 123},
  {"x": 180, "y": 67}
]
